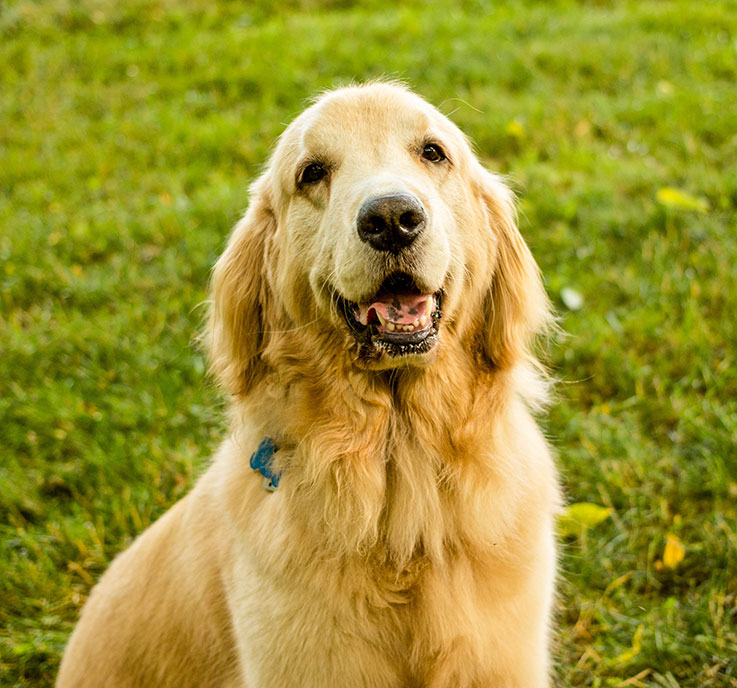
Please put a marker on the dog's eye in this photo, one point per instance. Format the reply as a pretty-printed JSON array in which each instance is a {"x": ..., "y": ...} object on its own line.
[
  {"x": 312, "y": 173},
  {"x": 433, "y": 152}
]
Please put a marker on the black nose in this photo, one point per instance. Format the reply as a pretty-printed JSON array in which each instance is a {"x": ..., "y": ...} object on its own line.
[{"x": 390, "y": 223}]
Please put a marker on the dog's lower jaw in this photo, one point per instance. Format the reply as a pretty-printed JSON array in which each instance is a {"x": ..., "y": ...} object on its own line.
[{"x": 379, "y": 356}]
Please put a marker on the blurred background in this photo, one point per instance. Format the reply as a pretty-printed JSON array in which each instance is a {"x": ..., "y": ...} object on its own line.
[{"x": 129, "y": 132}]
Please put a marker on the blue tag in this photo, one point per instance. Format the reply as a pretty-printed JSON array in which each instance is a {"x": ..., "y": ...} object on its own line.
[{"x": 261, "y": 462}]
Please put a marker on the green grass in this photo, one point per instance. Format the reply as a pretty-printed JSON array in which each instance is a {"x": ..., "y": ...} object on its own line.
[{"x": 128, "y": 135}]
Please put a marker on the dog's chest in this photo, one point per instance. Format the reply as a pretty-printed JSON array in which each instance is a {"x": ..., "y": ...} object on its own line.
[{"x": 369, "y": 624}]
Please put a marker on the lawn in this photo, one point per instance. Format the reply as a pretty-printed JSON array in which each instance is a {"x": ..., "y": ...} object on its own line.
[{"x": 129, "y": 133}]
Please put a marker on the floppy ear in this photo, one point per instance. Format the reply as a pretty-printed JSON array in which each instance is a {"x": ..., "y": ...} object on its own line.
[
  {"x": 517, "y": 307},
  {"x": 239, "y": 293}
]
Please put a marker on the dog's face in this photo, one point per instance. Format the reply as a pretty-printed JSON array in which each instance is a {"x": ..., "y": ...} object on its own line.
[
  {"x": 371, "y": 192},
  {"x": 375, "y": 221}
]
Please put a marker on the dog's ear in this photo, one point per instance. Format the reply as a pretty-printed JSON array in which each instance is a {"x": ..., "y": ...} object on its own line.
[
  {"x": 239, "y": 296},
  {"x": 517, "y": 307}
]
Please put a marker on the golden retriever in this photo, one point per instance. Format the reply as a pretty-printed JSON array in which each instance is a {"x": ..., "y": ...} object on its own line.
[{"x": 381, "y": 514}]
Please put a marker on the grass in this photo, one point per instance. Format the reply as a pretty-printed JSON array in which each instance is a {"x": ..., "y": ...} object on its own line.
[{"x": 128, "y": 135}]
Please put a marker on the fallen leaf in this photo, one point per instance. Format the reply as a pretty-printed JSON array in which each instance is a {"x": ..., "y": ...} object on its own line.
[
  {"x": 680, "y": 200},
  {"x": 580, "y": 516},
  {"x": 582, "y": 128},
  {"x": 674, "y": 551},
  {"x": 634, "y": 650},
  {"x": 516, "y": 128}
]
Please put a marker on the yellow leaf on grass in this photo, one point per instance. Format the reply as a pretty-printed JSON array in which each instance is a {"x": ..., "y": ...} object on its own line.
[
  {"x": 634, "y": 650},
  {"x": 680, "y": 200},
  {"x": 674, "y": 551},
  {"x": 516, "y": 128},
  {"x": 577, "y": 517}
]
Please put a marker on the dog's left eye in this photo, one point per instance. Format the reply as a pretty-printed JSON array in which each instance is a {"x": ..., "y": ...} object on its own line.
[
  {"x": 433, "y": 152},
  {"x": 312, "y": 174}
]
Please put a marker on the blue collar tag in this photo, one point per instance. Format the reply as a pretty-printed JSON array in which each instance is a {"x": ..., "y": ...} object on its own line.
[{"x": 261, "y": 462}]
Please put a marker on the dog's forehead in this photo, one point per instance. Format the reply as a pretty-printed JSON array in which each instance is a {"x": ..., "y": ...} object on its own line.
[{"x": 366, "y": 116}]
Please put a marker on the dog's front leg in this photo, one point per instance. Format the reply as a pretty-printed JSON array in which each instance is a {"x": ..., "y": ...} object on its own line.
[{"x": 294, "y": 637}]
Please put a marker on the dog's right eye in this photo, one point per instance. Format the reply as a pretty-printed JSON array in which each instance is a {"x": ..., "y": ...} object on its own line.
[{"x": 312, "y": 174}]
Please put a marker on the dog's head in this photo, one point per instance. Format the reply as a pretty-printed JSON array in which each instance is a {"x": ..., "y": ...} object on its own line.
[{"x": 375, "y": 229}]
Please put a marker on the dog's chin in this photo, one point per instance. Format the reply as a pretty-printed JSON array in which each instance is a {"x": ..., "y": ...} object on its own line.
[{"x": 397, "y": 326}]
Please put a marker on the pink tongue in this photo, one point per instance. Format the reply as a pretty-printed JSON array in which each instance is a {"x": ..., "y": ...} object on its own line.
[{"x": 398, "y": 308}]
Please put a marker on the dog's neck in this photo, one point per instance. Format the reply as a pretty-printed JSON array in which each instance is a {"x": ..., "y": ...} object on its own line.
[{"x": 387, "y": 461}]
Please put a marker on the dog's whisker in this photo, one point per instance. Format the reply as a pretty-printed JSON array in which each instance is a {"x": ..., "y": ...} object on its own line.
[{"x": 464, "y": 102}]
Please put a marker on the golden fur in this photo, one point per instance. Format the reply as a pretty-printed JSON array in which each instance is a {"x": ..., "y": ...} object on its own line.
[{"x": 410, "y": 542}]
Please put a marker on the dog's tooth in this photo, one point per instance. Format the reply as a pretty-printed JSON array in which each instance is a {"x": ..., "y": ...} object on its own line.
[
  {"x": 423, "y": 320},
  {"x": 408, "y": 328},
  {"x": 416, "y": 322},
  {"x": 390, "y": 326},
  {"x": 381, "y": 320}
]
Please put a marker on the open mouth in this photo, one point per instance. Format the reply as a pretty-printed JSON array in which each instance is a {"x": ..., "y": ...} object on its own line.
[{"x": 399, "y": 319}]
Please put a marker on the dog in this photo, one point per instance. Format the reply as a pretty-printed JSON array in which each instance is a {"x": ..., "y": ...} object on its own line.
[{"x": 382, "y": 513}]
